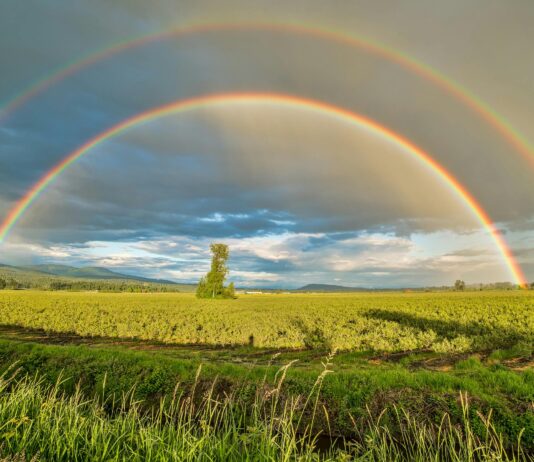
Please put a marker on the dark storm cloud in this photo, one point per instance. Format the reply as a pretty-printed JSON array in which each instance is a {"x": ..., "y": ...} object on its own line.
[
  {"x": 161, "y": 183},
  {"x": 218, "y": 175},
  {"x": 92, "y": 101}
]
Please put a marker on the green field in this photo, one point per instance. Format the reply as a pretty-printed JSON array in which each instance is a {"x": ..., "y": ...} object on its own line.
[
  {"x": 383, "y": 322},
  {"x": 404, "y": 364}
]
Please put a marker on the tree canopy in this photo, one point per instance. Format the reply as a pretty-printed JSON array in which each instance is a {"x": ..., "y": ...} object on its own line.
[{"x": 212, "y": 284}]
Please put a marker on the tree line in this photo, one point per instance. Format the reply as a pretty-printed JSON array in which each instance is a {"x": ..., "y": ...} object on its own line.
[
  {"x": 83, "y": 285},
  {"x": 460, "y": 285}
]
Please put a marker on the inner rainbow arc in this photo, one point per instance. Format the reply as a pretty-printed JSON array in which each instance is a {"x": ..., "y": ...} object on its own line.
[{"x": 280, "y": 99}]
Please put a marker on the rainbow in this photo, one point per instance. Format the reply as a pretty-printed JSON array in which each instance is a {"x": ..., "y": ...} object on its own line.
[
  {"x": 477, "y": 105},
  {"x": 278, "y": 99}
]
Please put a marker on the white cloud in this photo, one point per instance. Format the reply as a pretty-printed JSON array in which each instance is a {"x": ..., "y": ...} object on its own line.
[{"x": 289, "y": 258}]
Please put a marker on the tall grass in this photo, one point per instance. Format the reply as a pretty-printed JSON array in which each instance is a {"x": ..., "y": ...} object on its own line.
[{"x": 39, "y": 422}]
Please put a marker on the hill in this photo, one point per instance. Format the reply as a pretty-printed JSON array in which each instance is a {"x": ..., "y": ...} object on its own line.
[
  {"x": 90, "y": 272},
  {"x": 329, "y": 288},
  {"x": 87, "y": 278}
]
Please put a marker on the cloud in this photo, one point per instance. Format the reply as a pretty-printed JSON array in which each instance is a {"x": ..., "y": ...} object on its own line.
[
  {"x": 294, "y": 190},
  {"x": 466, "y": 253},
  {"x": 239, "y": 185},
  {"x": 290, "y": 259}
]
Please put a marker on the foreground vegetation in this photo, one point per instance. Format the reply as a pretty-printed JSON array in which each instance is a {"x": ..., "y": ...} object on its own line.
[
  {"x": 381, "y": 322},
  {"x": 355, "y": 394},
  {"x": 421, "y": 376},
  {"x": 40, "y": 420}
]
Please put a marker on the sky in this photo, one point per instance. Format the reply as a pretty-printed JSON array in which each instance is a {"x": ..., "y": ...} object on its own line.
[{"x": 299, "y": 195}]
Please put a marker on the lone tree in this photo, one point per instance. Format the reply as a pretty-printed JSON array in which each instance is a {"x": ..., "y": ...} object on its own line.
[
  {"x": 212, "y": 285},
  {"x": 459, "y": 285}
]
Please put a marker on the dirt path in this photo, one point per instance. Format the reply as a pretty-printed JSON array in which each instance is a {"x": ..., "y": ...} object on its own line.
[{"x": 246, "y": 355}]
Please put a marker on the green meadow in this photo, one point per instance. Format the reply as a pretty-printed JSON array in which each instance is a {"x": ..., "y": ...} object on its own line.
[
  {"x": 448, "y": 322},
  {"x": 360, "y": 376}
]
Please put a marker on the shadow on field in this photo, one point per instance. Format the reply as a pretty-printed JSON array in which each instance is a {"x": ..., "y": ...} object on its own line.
[
  {"x": 497, "y": 337},
  {"x": 38, "y": 335},
  {"x": 244, "y": 353}
]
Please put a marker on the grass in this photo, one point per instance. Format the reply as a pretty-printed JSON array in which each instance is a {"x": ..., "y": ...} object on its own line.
[
  {"x": 354, "y": 396},
  {"x": 420, "y": 377},
  {"x": 41, "y": 421}
]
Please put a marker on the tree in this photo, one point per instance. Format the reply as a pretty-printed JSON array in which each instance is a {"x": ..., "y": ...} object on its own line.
[
  {"x": 2, "y": 284},
  {"x": 212, "y": 285},
  {"x": 230, "y": 291},
  {"x": 13, "y": 284},
  {"x": 201, "y": 288},
  {"x": 459, "y": 285}
]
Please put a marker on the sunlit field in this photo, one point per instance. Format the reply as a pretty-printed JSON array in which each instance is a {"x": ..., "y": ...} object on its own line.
[
  {"x": 381, "y": 322},
  {"x": 362, "y": 376}
]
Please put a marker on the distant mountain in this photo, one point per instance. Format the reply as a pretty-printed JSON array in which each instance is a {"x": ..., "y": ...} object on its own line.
[
  {"x": 329, "y": 288},
  {"x": 58, "y": 270},
  {"x": 43, "y": 276},
  {"x": 90, "y": 272},
  {"x": 73, "y": 272}
]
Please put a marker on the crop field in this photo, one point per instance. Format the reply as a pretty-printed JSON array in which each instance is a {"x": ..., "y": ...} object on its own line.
[
  {"x": 415, "y": 376},
  {"x": 382, "y": 322}
]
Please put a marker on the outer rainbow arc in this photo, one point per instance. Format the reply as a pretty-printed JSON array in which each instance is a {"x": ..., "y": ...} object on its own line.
[
  {"x": 513, "y": 136},
  {"x": 281, "y": 99}
]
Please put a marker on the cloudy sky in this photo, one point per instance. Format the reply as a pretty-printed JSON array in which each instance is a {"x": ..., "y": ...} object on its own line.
[{"x": 300, "y": 196}]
